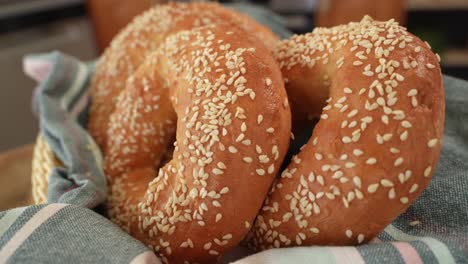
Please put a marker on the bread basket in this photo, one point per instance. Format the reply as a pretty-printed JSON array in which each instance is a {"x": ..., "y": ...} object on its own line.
[{"x": 43, "y": 162}]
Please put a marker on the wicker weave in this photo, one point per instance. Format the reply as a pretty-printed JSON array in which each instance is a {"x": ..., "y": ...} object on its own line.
[{"x": 43, "y": 161}]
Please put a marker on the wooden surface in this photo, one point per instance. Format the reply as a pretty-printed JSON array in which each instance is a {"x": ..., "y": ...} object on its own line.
[{"x": 15, "y": 177}]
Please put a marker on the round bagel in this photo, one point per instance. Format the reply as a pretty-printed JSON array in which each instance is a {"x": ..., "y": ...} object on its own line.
[
  {"x": 222, "y": 98},
  {"x": 376, "y": 145},
  {"x": 140, "y": 38}
]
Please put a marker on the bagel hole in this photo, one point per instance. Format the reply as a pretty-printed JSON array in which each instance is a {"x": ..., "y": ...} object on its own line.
[
  {"x": 168, "y": 153},
  {"x": 301, "y": 137}
]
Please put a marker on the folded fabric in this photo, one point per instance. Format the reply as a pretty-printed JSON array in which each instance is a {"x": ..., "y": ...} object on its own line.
[
  {"x": 61, "y": 233},
  {"x": 69, "y": 229}
]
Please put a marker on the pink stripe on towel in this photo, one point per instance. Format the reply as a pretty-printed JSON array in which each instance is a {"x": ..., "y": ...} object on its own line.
[
  {"x": 24, "y": 232},
  {"x": 37, "y": 69},
  {"x": 408, "y": 253}
]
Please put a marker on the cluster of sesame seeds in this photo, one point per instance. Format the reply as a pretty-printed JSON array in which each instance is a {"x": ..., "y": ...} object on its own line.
[
  {"x": 373, "y": 49},
  {"x": 183, "y": 191}
]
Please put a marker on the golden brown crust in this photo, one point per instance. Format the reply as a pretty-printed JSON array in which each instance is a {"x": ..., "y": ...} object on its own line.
[
  {"x": 221, "y": 93},
  {"x": 377, "y": 143},
  {"x": 141, "y": 37}
]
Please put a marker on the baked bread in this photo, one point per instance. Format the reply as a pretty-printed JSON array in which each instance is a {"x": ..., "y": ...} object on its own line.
[
  {"x": 142, "y": 37},
  {"x": 219, "y": 92},
  {"x": 376, "y": 145}
]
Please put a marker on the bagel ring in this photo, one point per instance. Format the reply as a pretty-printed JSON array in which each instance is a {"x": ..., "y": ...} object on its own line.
[
  {"x": 141, "y": 37},
  {"x": 376, "y": 145},
  {"x": 223, "y": 99}
]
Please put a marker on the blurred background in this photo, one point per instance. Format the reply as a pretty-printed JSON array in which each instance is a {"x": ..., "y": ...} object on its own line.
[{"x": 84, "y": 28}]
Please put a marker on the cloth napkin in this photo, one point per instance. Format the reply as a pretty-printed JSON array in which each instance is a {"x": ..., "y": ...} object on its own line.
[{"x": 71, "y": 229}]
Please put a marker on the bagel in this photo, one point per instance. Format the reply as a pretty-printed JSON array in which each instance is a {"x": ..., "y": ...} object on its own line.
[
  {"x": 140, "y": 38},
  {"x": 377, "y": 142},
  {"x": 222, "y": 98}
]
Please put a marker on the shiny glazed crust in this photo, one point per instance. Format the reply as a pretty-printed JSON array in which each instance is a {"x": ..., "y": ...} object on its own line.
[
  {"x": 219, "y": 92},
  {"x": 376, "y": 145},
  {"x": 141, "y": 37}
]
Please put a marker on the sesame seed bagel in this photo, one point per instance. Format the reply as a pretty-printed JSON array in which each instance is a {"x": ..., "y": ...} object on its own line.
[
  {"x": 376, "y": 145},
  {"x": 141, "y": 37},
  {"x": 222, "y": 98}
]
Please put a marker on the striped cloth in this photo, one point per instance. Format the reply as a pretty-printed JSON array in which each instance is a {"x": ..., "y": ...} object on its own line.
[{"x": 71, "y": 229}]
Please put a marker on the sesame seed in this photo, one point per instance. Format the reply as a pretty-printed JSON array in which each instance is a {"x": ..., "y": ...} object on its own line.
[
  {"x": 381, "y": 101},
  {"x": 259, "y": 119},
  {"x": 371, "y": 161},
  {"x": 404, "y": 200},
  {"x": 268, "y": 81},
  {"x": 258, "y": 149},
  {"x": 207, "y": 246},
  {"x": 372, "y": 188},
  {"x": 318, "y": 156},
  {"x": 326, "y": 167},
  {"x": 218, "y": 217},
  {"x": 379, "y": 139},
  {"x": 270, "y": 130},
  {"x": 413, "y": 188},
  {"x": 217, "y": 171},
  {"x": 347, "y": 90},
  {"x": 243, "y": 127},
  {"x": 247, "y": 159},
  {"x": 394, "y": 150},
  {"x": 430, "y": 66},
  {"x": 224, "y": 190},
  {"x": 357, "y": 152},
  {"x": 412, "y": 92},
  {"x": 414, "y": 223},
  {"x": 404, "y": 135},
  {"x": 414, "y": 101},
  {"x": 427, "y": 171},
  {"x": 360, "y": 238},
  {"x": 213, "y": 252},
  {"x": 398, "y": 162},
  {"x": 337, "y": 175},
  {"x": 386, "y": 183},
  {"x": 314, "y": 230},
  {"x": 271, "y": 169},
  {"x": 406, "y": 124},
  {"x": 387, "y": 137},
  {"x": 391, "y": 193},
  {"x": 352, "y": 113},
  {"x": 357, "y": 181},
  {"x": 320, "y": 180},
  {"x": 232, "y": 149},
  {"x": 432, "y": 143},
  {"x": 349, "y": 233},
  {"x": 260, "y": 172},
  {"x": 384, "y": 119}
]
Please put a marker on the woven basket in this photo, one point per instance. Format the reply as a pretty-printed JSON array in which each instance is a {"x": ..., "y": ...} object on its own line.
[{"x": 43, "y": 161}]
